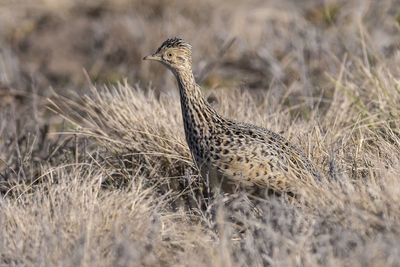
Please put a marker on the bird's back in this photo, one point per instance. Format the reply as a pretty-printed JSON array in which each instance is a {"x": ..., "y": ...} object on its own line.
[{"x": 241, "y": 154}]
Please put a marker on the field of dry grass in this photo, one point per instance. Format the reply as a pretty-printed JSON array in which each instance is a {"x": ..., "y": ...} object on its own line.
[{"x": 94, "y": 168}]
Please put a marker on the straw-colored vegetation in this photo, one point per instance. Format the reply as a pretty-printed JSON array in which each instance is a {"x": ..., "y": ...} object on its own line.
[{"x": 94, "y": 168}]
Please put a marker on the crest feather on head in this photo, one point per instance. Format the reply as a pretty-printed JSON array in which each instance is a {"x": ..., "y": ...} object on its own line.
[{"x": 175, "y": 43}]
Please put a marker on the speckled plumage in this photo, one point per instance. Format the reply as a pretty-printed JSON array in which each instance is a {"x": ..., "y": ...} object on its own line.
[{"x": 229, "y": 153}]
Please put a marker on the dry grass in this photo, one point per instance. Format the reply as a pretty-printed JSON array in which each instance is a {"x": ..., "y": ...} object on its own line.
[{"x": 101, "y": 175}]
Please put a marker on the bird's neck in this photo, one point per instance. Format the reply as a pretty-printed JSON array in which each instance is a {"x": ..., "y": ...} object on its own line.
[
  {"x": 199, "y": 117},
  {"x": 189, "y": 91}
]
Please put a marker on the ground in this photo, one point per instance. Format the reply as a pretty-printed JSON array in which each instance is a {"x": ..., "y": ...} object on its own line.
[{"x": 94, "y": 168}]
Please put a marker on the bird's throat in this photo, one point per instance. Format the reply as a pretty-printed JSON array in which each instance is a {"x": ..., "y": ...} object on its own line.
[{"x": 199, "y": 117}]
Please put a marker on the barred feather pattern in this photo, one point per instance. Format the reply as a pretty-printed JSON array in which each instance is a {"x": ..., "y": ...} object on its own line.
[{"x": 232, "y": 154}]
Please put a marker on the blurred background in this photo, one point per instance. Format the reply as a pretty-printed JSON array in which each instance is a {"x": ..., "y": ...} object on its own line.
[
  {"x": 50, "y": 42},
  {"x": 286, "y": 47}
]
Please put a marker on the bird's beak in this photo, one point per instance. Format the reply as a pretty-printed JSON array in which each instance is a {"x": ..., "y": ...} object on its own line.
[{"x": 152, "y": 57}]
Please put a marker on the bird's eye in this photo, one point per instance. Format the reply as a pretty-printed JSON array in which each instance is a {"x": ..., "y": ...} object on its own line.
[{"x": 169, "y": 54}]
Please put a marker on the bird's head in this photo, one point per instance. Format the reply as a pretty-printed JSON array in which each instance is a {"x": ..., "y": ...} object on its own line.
[{"x": 175, "y": 53}]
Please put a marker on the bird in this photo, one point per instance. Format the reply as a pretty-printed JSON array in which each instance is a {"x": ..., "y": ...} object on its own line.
[{"x": 229, "y": 154}]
